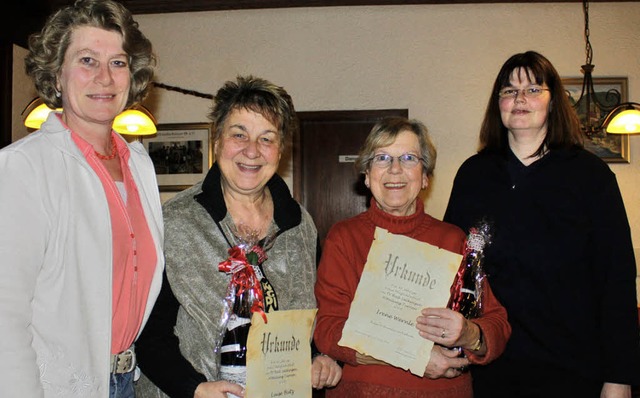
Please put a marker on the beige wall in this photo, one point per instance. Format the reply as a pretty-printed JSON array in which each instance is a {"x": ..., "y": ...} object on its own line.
[{"x": 439, "y": 61}]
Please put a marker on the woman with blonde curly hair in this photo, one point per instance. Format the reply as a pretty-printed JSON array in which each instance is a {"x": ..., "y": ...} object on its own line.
[{"x": 81, "y": 226}]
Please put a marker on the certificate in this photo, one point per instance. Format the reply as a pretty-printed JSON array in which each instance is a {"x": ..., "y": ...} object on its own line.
[
  {"x": 401, "y": 277},
  {"x": 279, "y": 355}
]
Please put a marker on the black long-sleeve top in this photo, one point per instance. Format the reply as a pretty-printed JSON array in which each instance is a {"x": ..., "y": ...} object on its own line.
[{"x": 561, "y": 260}]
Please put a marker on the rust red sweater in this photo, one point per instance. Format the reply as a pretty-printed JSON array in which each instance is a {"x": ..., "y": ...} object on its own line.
[{"x": 344, "y": 255}]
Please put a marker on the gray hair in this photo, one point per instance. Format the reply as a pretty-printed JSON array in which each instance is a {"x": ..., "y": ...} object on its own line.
[{"x": 385, "y": 132}]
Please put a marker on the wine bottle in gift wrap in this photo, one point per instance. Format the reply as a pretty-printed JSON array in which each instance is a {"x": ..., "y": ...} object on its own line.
[
  {"x": 233, "y": 351},
  {"x": 466, "y": 297}
]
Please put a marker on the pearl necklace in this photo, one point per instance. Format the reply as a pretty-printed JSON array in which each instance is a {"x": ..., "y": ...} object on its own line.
[{"x": 111, "y": 155}]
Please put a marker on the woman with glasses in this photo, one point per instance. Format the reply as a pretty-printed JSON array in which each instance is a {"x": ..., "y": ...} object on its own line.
[
  {"x": 561, "y": 260},
  {"x": 397, "y": 160}
]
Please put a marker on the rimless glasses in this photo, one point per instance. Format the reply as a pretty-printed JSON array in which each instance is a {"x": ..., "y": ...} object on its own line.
[{"x": 406, "y": 160}]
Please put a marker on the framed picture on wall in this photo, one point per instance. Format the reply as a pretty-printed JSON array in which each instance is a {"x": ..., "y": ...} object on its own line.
[
  {"x": 181, "y": 154},
  {"x": 612, "y": 148}
]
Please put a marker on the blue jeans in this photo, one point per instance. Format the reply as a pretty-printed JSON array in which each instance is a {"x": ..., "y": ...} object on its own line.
[{"x": 121, "y": 385}]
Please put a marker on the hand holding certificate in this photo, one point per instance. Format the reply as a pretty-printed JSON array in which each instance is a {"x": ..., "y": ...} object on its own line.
[
  {"x": 385, "y": 278},
  {"x": 401, "y": 276}
]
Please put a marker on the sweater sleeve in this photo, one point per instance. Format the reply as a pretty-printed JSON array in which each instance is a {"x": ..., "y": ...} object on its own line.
[
  {"x": 495, "y": 327},
  {"x": 335, "y": 288},
  {"x": 158, "y": 349},
  {"x": 23, "y": 241},
  {"x": 614, "y": 264}
]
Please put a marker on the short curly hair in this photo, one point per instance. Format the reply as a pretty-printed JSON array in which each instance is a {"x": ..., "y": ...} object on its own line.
[
  {"x": 47, "y": 48},
  {"x": 257, "y": 95}
]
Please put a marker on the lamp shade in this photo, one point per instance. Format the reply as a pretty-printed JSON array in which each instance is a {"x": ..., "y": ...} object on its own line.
[
  {"x": 624, "y": 119},
  {"x": 134, "y": 122},
  {"x": 129, "y": 122},
  {"x": 37, "y": 116}
]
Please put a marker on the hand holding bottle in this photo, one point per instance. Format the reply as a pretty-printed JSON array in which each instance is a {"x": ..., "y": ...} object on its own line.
[
  {"x": 218, "y": 389},
  {"x": 442, "y": 326},
  {"x": 445, "y": 363}
]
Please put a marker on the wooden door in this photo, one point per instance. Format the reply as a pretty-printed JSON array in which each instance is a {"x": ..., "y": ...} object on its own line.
[{"x": 325, "y": 181}]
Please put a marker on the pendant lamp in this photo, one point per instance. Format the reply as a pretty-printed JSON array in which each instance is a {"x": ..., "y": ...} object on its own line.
[{"x": 136, "y": 121}]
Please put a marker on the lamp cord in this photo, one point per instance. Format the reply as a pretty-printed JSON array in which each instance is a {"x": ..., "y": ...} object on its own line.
[
  {"x": 182, "y": 90},
  {"x": 588, "y": 48}
]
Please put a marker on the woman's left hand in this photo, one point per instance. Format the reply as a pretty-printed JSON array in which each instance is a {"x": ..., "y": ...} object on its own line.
[
  {"x": 325, "y": 372},
  {"x": 445, "y": 362},
  {"x": 446, "y": 327}
]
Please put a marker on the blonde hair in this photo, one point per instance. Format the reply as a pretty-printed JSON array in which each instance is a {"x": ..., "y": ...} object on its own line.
[{"x": 48, "y": 47}]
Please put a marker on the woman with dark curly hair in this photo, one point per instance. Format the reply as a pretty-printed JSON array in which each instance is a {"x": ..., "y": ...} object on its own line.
[
  {"x": 81, "y": 226},
  {"x": 253, "y": 121}
]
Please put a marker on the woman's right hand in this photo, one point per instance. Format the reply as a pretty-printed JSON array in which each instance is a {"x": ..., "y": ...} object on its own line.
[{"x": 218, "y": 389}]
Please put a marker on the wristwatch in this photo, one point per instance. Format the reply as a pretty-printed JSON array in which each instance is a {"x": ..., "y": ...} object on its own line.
[{"x": 478, "y": 344}]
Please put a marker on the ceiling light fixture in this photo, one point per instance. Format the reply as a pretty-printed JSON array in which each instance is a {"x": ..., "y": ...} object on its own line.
[
  {"x": 617, "y": 118},
  {"x": 623, "y": 119},
  {"x": 136, "y": 121},
  {"x": 589, "y": 104}
]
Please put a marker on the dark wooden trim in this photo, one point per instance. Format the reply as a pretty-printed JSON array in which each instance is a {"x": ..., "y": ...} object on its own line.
[
  {"x": 6, "y": 91},
  {"x": 171, "y": 6},
  {"x": 357, "y": 115}
]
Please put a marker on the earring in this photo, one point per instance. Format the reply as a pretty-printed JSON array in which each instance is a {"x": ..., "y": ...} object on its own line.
[{"x": 58, "y": 93}]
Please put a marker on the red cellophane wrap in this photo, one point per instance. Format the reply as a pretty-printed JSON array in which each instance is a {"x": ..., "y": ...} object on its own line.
[
  {"x": 467, "y": 291},
  {"x": 243, "y": 276}
]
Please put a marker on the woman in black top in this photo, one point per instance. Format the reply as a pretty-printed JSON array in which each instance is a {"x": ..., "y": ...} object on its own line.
[{"x": 561, "y": 260}]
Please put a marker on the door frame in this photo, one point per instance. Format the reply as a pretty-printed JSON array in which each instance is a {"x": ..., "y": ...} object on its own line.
[{"x": 323, "y": 116}]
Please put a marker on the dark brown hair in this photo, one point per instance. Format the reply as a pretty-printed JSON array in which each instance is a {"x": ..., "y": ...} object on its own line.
[
  {"x": 257, "y": 95},
  {"x": 563, "y": 126}
]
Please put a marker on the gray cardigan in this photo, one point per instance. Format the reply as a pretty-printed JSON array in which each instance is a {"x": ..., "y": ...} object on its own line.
[{"x": 194, "y": 246}]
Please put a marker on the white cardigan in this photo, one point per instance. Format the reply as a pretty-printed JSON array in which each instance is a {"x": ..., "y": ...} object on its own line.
[{"x": 56, "y": 265}]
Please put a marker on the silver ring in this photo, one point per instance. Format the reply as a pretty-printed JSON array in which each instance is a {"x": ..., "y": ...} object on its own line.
[{"x": 443, "y": 333}]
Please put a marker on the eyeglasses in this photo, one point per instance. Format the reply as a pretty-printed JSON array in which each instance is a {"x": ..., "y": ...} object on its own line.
[
  {"x": 406, "y": 160},
  {"x": 529, "y": 92}
]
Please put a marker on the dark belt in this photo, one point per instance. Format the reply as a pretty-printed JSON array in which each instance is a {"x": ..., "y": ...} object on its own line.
[{"x": 124, "y": 362}]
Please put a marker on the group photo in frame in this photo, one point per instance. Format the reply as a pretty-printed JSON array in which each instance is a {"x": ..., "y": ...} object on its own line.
[
  {"x": 612, "y": 148},
  {"x": 181, "y": 154}
]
